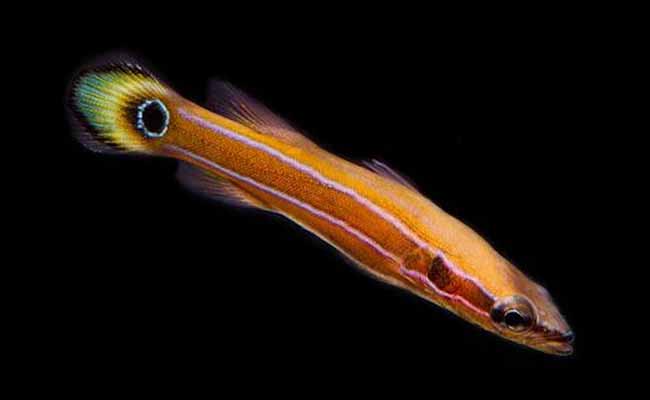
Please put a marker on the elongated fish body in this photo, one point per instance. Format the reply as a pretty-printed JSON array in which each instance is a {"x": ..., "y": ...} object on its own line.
[{"x": 238, "y": 151}]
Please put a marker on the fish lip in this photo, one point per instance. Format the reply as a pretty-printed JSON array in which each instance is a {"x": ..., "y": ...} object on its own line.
[
  {"x": 561, "y": 345},
  {"x": 561, "y": 348},
  {"x": 566, "y": 337}
]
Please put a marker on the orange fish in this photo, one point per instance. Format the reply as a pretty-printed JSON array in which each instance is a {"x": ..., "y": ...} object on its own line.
[{"x": 239, "y": 151}]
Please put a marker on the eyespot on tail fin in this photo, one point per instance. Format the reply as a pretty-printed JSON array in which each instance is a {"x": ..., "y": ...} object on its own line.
[{"x": 111, "y": 107}]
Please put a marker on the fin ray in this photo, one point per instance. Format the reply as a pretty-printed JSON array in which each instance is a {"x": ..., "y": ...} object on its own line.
[
  {"x": 232, "y": 103},
  {"x": 102, "y": 100},
  {"x": 384, "y": 170},
  {"x": 213, "y": 187}
]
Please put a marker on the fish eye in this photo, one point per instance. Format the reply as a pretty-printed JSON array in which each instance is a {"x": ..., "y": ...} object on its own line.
[
  {"x": 152, "y": 118},
  {"x": 514, "y": 313},
  {"x": 516, "y": 321}
]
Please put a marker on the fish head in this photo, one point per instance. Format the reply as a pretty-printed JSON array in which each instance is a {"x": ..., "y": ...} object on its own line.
[
  {"x": 492, "y": 293},
  {"x": 529, "y": 316}
]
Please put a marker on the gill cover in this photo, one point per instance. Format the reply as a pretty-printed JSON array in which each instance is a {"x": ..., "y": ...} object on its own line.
[{"x": 119, "y": 107}]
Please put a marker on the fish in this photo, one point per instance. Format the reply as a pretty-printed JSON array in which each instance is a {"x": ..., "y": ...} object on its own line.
[{"x": 237, "y": 151}]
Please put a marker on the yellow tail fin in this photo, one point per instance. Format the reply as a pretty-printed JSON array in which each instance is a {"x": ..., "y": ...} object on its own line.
[{"x": 119, "y": 107}]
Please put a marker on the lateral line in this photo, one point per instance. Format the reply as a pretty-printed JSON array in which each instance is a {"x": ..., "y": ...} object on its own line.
[
  {"x": 307, "y": 207},
  {"x": 309, "y": 171}
]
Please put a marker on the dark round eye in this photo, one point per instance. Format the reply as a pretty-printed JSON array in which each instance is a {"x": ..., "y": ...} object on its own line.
[
  {"x": 516, "y": 321},
  {"x": 515, "y": 313},
  {"x": 152, "y": 118}
]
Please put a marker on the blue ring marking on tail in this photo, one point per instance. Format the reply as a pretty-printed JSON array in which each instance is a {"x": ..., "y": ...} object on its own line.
[{"x": 140, "y": 124}]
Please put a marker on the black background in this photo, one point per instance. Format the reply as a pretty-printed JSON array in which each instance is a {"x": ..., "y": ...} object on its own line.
[{"x": 494, "y": 123}]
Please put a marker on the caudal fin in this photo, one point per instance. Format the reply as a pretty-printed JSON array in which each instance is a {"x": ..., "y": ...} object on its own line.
[{"x": 118, "y": 107}]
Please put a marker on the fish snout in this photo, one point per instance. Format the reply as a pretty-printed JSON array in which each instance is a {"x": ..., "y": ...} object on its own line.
[
  {"x": 559, "y": 343},
  {"x": 569, "y": 337}
]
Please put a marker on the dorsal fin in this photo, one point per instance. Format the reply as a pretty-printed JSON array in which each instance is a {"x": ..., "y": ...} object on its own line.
[
  {"x": 384, "y": 170},
  {"x": 215, "y": 188},
  {"x": 234, "y": 104}
]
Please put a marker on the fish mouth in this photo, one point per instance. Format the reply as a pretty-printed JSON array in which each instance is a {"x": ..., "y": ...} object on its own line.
[
  {"x": 558, "y": 348},
  {"x": 560, "y": 345}
]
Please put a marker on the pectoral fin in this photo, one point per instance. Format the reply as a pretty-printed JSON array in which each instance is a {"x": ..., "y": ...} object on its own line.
[{"x": 216, "y": 188}]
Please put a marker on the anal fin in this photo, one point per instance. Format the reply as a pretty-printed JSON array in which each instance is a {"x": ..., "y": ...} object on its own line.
[{"x": 216, "y": 188}]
